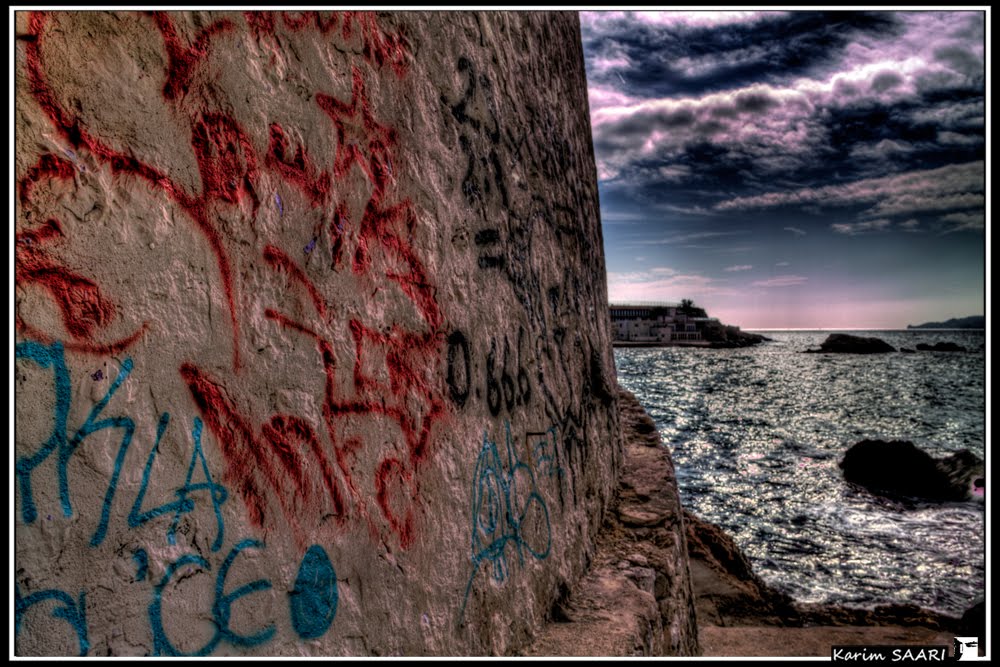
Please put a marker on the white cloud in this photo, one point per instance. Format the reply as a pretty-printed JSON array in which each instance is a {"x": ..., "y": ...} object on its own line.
[
  {"x": 795, "y": 230},
  {"x": 949, "y": 187},
  {"x": 780, "y": 281},
  {"x": 956, "y": 139},
  {"x": 599, "y": 21},
  {"x": 883, "y": 150},
  {"x": 855, "y": 228},
  {"x": 738, "y": 267},
  {"x": 663, "y": 284},
  {"x": 675, "y": 173},
  {"x": 961, "y": 222},
  {"x": 693, "y": 236}
]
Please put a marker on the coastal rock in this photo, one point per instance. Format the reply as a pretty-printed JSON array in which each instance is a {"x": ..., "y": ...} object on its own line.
[
  {"x": 730, "y": 597},
  {"x": 941, "y": 347},
  {"x": 846, "y": 343},
  {"x": 965, "y": 471},
  {"x": 727, "y": 336},
  {"x": 898, "y": 468}
]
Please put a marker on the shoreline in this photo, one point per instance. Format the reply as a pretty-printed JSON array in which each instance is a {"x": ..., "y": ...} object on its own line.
[
  {"x": 738, "y": 614},
  {"x": 699, "y": 343}
]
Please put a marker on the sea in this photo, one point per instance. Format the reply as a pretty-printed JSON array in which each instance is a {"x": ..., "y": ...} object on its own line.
[{"x": 756, "y": 435}]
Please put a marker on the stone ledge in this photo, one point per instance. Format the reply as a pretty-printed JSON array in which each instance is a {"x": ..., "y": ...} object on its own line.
[{"x": 636, "y": 598}]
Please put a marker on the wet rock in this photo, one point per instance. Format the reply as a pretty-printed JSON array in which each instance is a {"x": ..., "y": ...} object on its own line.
[
  {"x": 846, "y": 343},
  {"x": 728, "y": 336},
  {"x": 941, "y": 347},
  {"x": 898, "y": 468}
]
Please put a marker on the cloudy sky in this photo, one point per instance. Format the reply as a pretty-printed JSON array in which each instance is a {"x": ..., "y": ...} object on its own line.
[{"x": 793, "y": 169}]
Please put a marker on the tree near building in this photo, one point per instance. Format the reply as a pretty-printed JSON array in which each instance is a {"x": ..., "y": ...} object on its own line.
[{"x": 688, "y": 308}]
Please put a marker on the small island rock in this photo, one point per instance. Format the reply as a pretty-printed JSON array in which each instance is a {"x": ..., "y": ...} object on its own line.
[
  {"x": 941, "y": 347},
  {"x": 847, "y": 343}
]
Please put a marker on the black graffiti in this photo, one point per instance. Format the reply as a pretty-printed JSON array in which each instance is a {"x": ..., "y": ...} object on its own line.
[
  {"x": 529, "y": 177},
  {"x": 476, "y": 114},
  {"x": 506, "y": 381},
  {"x": 489, "y": 237},
  {"x": 458, "y": 388}
]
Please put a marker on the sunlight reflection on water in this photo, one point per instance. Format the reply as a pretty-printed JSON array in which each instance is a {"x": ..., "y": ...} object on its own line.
[{"x": 757, "y": 433}]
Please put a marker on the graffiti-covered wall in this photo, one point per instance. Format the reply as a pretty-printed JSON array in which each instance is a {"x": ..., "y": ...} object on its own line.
[{"x": 312, "y": 354}]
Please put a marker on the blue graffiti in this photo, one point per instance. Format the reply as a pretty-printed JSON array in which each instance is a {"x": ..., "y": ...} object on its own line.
[
  {"x": 545, "y": 454},
  {"x": 499, "y": 518},
  {"x": 221, "y": 609},
  {"x": 141, "y": 559},
  {"x": 47, "y": 356},
  {"x": 183, "y": 504},
  {"x": 313, "y": 599},
  {"x": 72, "y": 611}
]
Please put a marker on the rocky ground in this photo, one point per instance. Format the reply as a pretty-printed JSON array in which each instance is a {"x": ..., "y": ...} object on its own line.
[
  {"x": 634, "y": 599},
  {"x": 739, "y": 615}
]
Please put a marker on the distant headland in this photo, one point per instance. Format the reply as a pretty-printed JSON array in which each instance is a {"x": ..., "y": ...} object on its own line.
[{"x": 971, "y": 322}]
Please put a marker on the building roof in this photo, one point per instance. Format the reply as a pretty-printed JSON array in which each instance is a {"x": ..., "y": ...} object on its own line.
[{"x": 645, "y": 304}]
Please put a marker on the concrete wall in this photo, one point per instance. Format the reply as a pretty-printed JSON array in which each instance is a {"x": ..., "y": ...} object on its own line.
[{"x": 312, "y": 350}]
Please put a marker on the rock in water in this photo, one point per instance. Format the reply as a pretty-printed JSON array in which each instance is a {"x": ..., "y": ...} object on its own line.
[
  {"x": 854, "y": 344},
  {"x": 941, "y": 347},
  {"x": 963, "y": 470},
  {"x": 899, "y": 468}
]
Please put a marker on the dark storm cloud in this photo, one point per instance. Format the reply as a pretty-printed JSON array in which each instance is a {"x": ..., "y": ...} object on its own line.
[
  {"x": 877, "y": 94},
  {"x": 668, "y": 58}
]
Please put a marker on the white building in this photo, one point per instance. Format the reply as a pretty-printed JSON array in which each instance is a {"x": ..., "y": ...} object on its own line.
[{"x": 652, "y": 323}]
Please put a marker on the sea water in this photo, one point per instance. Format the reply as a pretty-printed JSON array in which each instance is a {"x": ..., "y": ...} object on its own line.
[{"x": 757, "y": 433}]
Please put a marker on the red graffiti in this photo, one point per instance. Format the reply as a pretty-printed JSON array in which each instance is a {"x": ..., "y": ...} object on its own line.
[
  {"x": 182, "y": 59},
  {"x": 261, "y": 23},
  {"x": 298, "y": 170},
  {"x": 72, "y": 129},
  {"x": 362, "y": 465},
  {"x": 82, "y": 306},
  {"x": 358, "y": 134},
  {"x": 277, "y": 259},
  {"x": 48, "y": 167},
  {"x": 378, "y": 47},
  {"x": 227, "y": 161},
  {"x": 299, "y": 20}
]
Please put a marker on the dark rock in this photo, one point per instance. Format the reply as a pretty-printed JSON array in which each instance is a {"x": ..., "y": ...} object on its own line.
[
  {"x": 907, "y": 350},
  {"x": 898, "y": 468},
  {"x": 941, "y": 347},
  {"x": 727, "y": 336},
  {"x": 963, "y": 469},
  {"x": 973, "y": 623},
  {"x": 854, "y": 344}
]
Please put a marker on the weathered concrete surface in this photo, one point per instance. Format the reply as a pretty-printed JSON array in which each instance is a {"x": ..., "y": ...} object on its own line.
[
  {"x": 636, "y": 599},
  {"x": 312, "y": 348}
]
